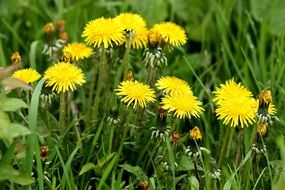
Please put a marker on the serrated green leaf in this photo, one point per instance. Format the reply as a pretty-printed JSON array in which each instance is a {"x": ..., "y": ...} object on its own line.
[
  {"x": 136, "y": 170},
  {"x": 194, "y": 183},
  {"x": 7, "y": 172},
  {"x": 87, "y": 167},
  {"x": 12, "y": 130},
  {"x": 185, "y": 164},
  {"x": 12, "y": 104},
  {"x": 23, "y": 179}
]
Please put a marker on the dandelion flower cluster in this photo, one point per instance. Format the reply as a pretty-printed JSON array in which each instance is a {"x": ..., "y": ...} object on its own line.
[
  {"x": 183, "y": 105},
  {"x": 172, "y": 33},
  {"x": 27, "y": 75},
  {"x": 77, "y": 51},
  {"x": 63, "y": 76},
  {"x": 135, "y": 29},
  {"x": 136, "y": 93},
  {"x": 103, "y": 32},
  {"x": 173, "y": 85},
  {"x": 236, "y": 105}
]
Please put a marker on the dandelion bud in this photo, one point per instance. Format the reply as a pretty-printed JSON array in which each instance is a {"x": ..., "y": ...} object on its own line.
[
  {"x": 60, "y": 25},
  {"x": 175, "y": 138},
  {"x": 16, "y": 58},
  {"x": 261, "y": 129},
  {"x": 143, "y": 185},
  {"x": 154, "y": 38},
  {"x": 195, "y": 133},
  {"x": 265, "y": 98},
  {"x": 49, "y": 28},
  {"x": 130, "y": 76},
  {"x": 63, "y": 36},
  {"x": 44, "y": 152}
]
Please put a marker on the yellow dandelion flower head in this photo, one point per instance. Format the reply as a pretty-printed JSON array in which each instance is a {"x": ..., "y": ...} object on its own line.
[
  {"x": 183, "y": 105},
  {"x": 130, "y": 21},
  {"x": 103, "y": 32},
  {"x": 135, "y": 26},
  {"x": 229, "y": 89},
  {"x": 27, "y": 75},
  {"x": 172, "y": 33},
  {"x": 261, "y": 129},
  {"x": 63, "y": 76},
  {"x": 237, "y": 111},
  {"x": 271, "y": 108},
  {"x": 236, "y": 105},
  {"x": 77, "y": 51},
  {"x": 136, "y": 93},
  {"x": 139, "y": 39},
  {"x": 173, "y": 85},
  {"x": 154, "y": 37},
  {"x": 195, "y": 133}
]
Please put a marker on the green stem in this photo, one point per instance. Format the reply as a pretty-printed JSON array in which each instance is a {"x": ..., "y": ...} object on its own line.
[
  {"x": 238, "y": 154},
  {"x": 111, "y": 138},
  {"x": 100, "y": 82},
  {"x": 62, "y": 111},
  {"x": 224, "y": 144},
  {"x": 229, "y": 142},
  {"x": 90, "y": 96},
  {"x": 151, "y": 76},
  {"x": 123, "y": 68}
]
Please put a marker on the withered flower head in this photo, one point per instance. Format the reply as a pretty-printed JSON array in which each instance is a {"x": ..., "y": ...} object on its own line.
[
  {"x": 16, "y": 58},
  {"x": 60, "y": 25},
  {"x": 130, "y": 75},
  {"x": 175, "y": 137},
  {"x": 261, "y": 129}
]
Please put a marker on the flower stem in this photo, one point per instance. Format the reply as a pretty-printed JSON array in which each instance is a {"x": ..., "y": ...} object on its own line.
[
  {"x": 62, "y": 111},
  {"x": 224, "y": 144},
  {"x": 100, "y": 82},
  {"x": 123, "y": 68},
  {"x": 90, "y": 96},
  {"x": 229, "y": 142},
  {"x": 238, "y": 154},
  {"x": 151, "y": 76}
]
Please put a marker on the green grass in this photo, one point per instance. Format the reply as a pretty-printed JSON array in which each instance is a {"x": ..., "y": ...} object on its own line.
[{"x": 239, "y": 39}]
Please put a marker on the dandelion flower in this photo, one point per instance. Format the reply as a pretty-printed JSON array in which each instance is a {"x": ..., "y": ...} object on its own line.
[
  {"x": 271, "y": 110},
  {"x": 231, "y": 88},
  {"x": 195, "y": 133},
  {"x": 136, "y": 93},
  {"x": 183, "y": 105},
  {"x": 130, "y": 21},
  {"x": 77, "y": 51},
  {"x": 27, "y": 75},
  {"x": 135, "y": 28},
  {"x": 172, "y": 33},
  {"x": 172, "y": 85},
  {"x": 139, "y": 39},
  {"x": 103, "y": 32},
  {"x": 236, "y": 106},
  {"x": 64, "y": 76}
]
